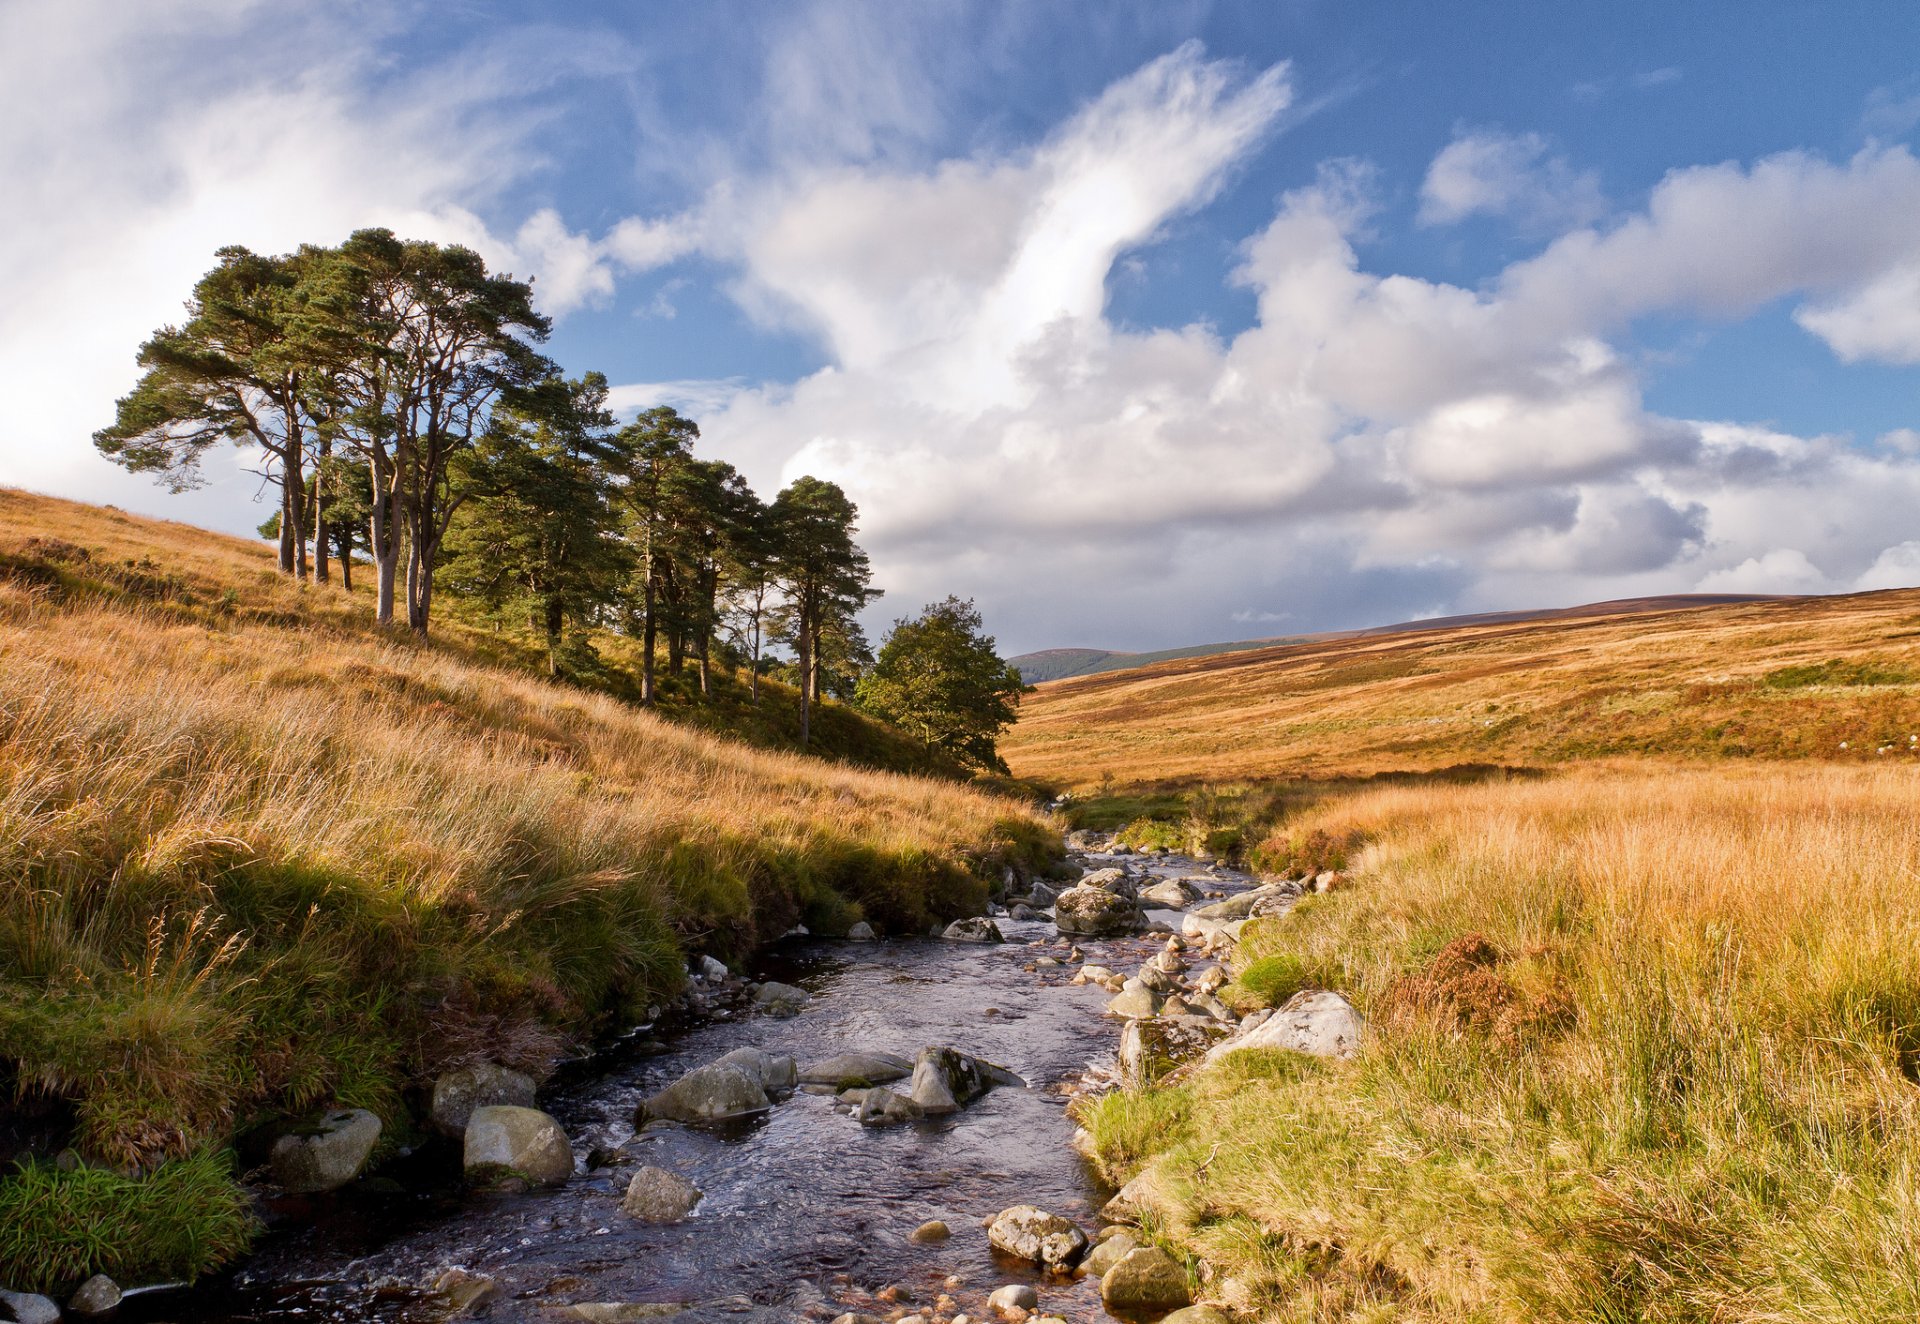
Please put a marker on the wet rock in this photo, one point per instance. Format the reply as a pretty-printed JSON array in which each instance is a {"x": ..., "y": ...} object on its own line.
[
  {"x": 328, "y": 1154},
  {"x": 98, "y": 1295},
  {"x": 1197, "y": 1315},
  {"x": 1109, "y": 1248},
  {"x": 862, "y": 932},
  {"x": 774, "y": 1071},
  {"x": 1316, "y": 1022},
  {"x": 852, "y": 1317},
  {"x": 1093, "y": 974},
  {"x": 1134, "y": 1001},
  {"x": 658, "y": 1196},
  {"x": 1040, "y": 896},
  {"x": 710, "y": 970},
  {"x": 885, "y": 1107},
  {"x": 1033, "y": 1234},
  {"x": 521, "y": 1140},
  {"x": 1145, "y": 1279},
  {"x": 1138, "y": 1197},
  {"x": 778, "y": 999},
  {"x": 1023, "y": 911},
  {"x": 873, "y": 1068},
  {"x": 1117, "y": 881},
  {"x": 1014, "y": 1296},
  {"x": 930, "y": 1232},
  {"x": 28, "y": 1308},
  {"x": 975, "y": 928},
  {"x": 717, "y": 1092},
  {"x": 1173, "y": 894},
  {"x": 945, "y": 1080},
  {"x": 1091, "y": 912},
  {"x": 458, "y": 1092},
  {"x": 467, "y": 1293},
  {"x": 1153, "y": 977},
  {"x": 1149, "y": 1049},
  {"x": 1277, "y": 897},
  {"x": 626, "y": 1312}
]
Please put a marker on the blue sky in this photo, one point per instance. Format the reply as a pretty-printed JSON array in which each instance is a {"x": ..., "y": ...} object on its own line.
[{"x": 1142, "y": 324}]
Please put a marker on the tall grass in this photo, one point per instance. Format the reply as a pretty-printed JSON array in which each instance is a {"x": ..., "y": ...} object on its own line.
[{"x": 1714, "y": 1118}]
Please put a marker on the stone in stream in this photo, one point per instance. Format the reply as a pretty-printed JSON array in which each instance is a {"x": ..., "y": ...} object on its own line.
[
  {"x": 1091, "y": 912},
  {"x": 1138, "y": 1197},
  {"x": 1117, "y": 881},
  {"x": 778, "y": 999},
  {"x": 1134, "y": 1001},
  {"x": 774, "y": 1071},
  {"x": 658, "y": 1196},
  {"x": 1023, "y": 911},
  {"x": 1316, "y": 1022},
  {"x": 328, "y": 1154},
  {"x": 1145, "y": 1279},
  {"x": 1149, "y": 1049},
  {"x": 1197, "y": 1315},
  {"x": 1271, "y": 898},
  {"x": 1153, "y": 977},
  {"x": 1014, "y": 1296},
  {"x": 458, "y": 1092},
  {"x": 625, "y": 1312},
  {"x": 1108, "y": 1248},
  {"x": 1174, "y": 894},
  {"x": 1040, "y": 896},
  {"x": 502, "y": 1138},
  {"x": 885, "y": 1107},
  {"x": 1093, "y": 974},
  {"x": 929, "y": 1233},
  {"x": 718, "y": 1092},
  {"x": 845, "y": 1068},
  {"x": 97, "y": 1296},
  {"x": 945, "y": 1081},
  {"x": 862, "y": 932},
  {"x": 29, "y": 1308},
  {"x": 974, "y": 928},
  {"x": 467, "y": 1293},
  {"x": 1027, "y": 1233}
]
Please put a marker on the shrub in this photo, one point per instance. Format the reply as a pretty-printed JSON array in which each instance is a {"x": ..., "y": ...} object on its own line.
[{"x": 1271, "y": 980}]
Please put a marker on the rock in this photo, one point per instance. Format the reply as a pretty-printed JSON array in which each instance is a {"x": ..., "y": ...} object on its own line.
[
  {"x": 1153, "y": 977},
  {"x": 28, "y": 1308},
  {"x": 930, "y": 1232},
  {"x": 1326, "y": 882},
  {"x": 1117, "y": 881},
  {"x": 717, "y": 1092},
  {"x": 774, "y": 1071},
  {"x": 96, "y": 1296},
  {"x": 1040, "y": 896},
  {"x": 1267, "y": 899},
  {"x": 976, "y": 928},
  {"x": 521, "y": 1140},
  {"x": 1094, "y": 974},
  {"x": 871, "y": 1068},
  {"x": 852, "y": 1317},
  {"x": 945, "y": 1081},
  {"x": 1093, "y": 913},
  {"x": 1108, "y": 1249},
  {"x": 1212, "y": 1006},
  {"x": 1139, "y": 1196},
  {"x": 658, "y": 1196},
  {"x": 885, "y": 1107},
  {"x": 711, "y": 970},
  {"x": 1210, "y": 979},
  {"x": 1033, "y": 1234},
  {"x": 1014, "y": 1296},
  {"x": 1135, "y": 1000},
  {"x": 1174, "y": 894},
  {"x": 1145, "y": 1279},
  {"x": 1197, "y": 1315},
  {"x": 780, "y": 999},
  {"x": 1317, "y": 1022},
  {"x": 328, "y": 1155},
  {"x": 862, "y": 932},
  {"x": 457, "y": 1093},
  {"x": 1176, "y": 1006},
  {"x": 466, "y": 1292},
  {"x": 1149, "y": 1049},
  {"x": 1023, "y": 911},
  {"x": 631, "y": 1312}
]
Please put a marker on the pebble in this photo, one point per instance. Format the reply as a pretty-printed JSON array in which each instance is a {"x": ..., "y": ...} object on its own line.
[{"x": 929, "y": 1232}]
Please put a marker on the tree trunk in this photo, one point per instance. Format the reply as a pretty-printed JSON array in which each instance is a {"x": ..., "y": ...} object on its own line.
[
  {"x": 555, "y": 621},
  {"x": 649, "y": 632},
  {"x": 756, "y": 657},
  {"x": 320, "y": 527},
  {"x": 286, "y": 532},
  {"x": 803, "y": 645},
  {"x": 383, "y": 535},
  {"x": 346, "y": 570}
]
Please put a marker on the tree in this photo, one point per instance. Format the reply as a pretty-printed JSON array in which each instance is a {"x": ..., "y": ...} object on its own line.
[
  {"x": 707, "y": 505},
  {"x": 750, "y": 583},
  {"x": 538, "y": 530},
  {"x": 236, "y": 370},
  {"x": 649, "y": 451},
  {"x": 823, "y": 573},
  {"x": 939, "y": 678}
]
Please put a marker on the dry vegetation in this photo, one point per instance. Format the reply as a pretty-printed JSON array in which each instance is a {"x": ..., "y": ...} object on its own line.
[
  {"x": 257, "y": 858},
  {"x": 1790, "y": 679}
]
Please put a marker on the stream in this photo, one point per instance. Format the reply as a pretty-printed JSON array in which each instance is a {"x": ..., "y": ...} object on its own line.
[{"x": 806, "y": 1212}]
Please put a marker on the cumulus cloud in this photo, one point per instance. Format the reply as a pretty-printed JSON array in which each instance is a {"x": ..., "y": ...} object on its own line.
[{"x": 1514, "y": 175}]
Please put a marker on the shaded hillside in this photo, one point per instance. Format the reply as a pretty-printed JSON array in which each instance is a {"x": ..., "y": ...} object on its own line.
[{"x": 1791, "y": 678}]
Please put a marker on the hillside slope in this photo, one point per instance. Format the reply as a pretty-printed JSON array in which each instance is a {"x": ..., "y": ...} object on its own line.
[
  {"x": 260, "y": 858},
  {"x": 1812, "y": 677}
]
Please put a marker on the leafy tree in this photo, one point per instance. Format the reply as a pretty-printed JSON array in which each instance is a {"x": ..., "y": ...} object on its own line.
[
  {"x": 939, "y": 678},
  {"x": 750, "y": 583},
  {"x": 343, "y": 501},
  {"x": 823, "y": 573},
  {"x": 650, "y": 451},
  {"x": 708, "y": 505},
  {"x": 537, "y": 530}
]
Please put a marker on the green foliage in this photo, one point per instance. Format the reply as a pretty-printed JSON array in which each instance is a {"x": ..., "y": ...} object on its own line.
[
  {"x": 1835, "y": 671},
  {"x": 826, "y": 579},
  {"x": 939, "y": 678},
  {"x": 1271, "y": 980},
  {"x": 1130, "y": 1126},
  {"x": 59, "y": 1228}
]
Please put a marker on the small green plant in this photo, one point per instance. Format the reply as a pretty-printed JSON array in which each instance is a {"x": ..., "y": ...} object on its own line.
[
  {"x": 1273, "y": 979},
  {"x": 1835, "y": 671}
]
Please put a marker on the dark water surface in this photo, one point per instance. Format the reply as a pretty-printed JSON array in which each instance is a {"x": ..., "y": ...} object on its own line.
[{"x": 806, "y": 1195}]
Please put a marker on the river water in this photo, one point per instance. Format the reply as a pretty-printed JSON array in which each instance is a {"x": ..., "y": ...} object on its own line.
[{"x": 805, "y": 1207}]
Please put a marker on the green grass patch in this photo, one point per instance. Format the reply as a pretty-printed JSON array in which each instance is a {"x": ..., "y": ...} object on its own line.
[
  {"x": 1839, "y": 672},
  {"x": 1271, "y": 980}
]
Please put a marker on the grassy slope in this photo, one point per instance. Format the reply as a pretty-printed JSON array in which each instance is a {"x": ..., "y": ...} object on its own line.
[
  {"x": 1644, "y": 1009},
  {"x": 259, "y": 858}
]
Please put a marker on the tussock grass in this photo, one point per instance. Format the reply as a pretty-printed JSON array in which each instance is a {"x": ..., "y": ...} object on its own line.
[
  {"x": 1714, "y": 1117},
  {"x": 256, "y": 859}
]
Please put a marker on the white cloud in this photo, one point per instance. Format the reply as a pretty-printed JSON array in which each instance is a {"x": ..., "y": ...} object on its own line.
[
  {"x": 1515, "y": 175},
  {"x": 1782, "y": 570},
  {"x": 1896, "y": 567}
]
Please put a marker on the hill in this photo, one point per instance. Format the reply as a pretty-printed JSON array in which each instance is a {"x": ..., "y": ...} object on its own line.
[
  {"x": 261, "y": 858},
  {"x": 1786, "y": 678}
]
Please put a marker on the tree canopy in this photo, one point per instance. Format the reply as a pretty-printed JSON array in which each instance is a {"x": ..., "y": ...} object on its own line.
[{"x": 938, "y": 678}]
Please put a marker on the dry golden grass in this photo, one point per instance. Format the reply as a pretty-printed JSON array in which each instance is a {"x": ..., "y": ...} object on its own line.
[
  {"x": 1700, "y": 683},
  {"x": 1725, "y": 1128}
]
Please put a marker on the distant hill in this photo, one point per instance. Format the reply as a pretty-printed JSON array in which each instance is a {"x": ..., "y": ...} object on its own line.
[{"x": 1061, "y": 663}]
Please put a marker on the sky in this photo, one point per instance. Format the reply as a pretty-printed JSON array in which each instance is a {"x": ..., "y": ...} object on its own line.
[{"x": 1140, "y": 324}]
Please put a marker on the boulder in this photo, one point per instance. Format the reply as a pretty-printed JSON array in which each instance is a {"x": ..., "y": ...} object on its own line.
[
  {"x": 1197, "y": 1315},
  {"x": 97, "y": 1296},
  {"x": 1138, "y": 1197},
  {"x": 974, "y": 928},
  {"x": 1023, "y": 911},
  {"x": 1117, "y": 881},
  {"x": 929, "y": 1233},
  {"x": 717, "y": 1092},
  {"x": 1094, "y": 974},
  {"x": 1149, "y": 1049},
  {"x": 1145, "y": 1279},
  {"x": 28, "y": 1308},
  {"x": 710, "y": 970},
  {"x": 521, "y": 1140},
  {"x": 1317, "y": 1022},
  {"x": 658, "y": 1196},
  {"x": 458, "y": 1092},
  {"x": 862, "y": 932},
  {"x": 778, "y": 999},
  {"x": 1040, "y": 895},
  {"x": 1153, "y": 977},
  {"x": 945, "y": 1080},
  {"x": 327, "y": 1155},
  {"x": 1268, "y": 899},
  {"x": 1173, "y": 894},
  {"x": 774, "y": 1071},
  {"x": 1108, "y": 1249},
  {"x": 871, "y": 1068},
  {"x": 885, "y": 1107},
  {"x": 466, "y": 1293},
  {"x": 1014, "y": 1296},
  {"x": 1095, "y": 913},
  {"x": 1027, "y": 1233},
  {"x": 1134, "y": 1001}
]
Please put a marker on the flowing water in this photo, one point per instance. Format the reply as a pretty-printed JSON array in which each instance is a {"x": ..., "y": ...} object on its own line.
[{"x": 803, "y": 1204}]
